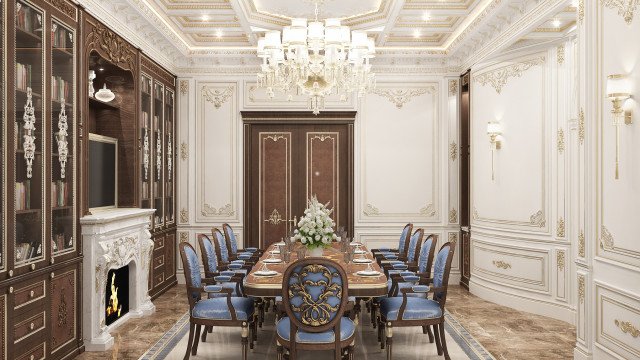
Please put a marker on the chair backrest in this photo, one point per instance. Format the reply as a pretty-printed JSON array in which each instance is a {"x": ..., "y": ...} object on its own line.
[
  {"x": 425, "y": 260},
  {"x": 314, "y": 294},
  {"x": 208, "y": 252},
  {"x": 404, "y": 239},
  {"x": 232, "y": 242},
  {"x": 192, "y": 275},
  {"x": 221, "y": 246},
  {"x": 414, "y": 245},
  {"x": 441, "y": 270}
]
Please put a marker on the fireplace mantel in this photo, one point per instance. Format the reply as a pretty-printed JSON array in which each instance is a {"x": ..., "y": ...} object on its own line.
[{"x": 113, "y": 239}]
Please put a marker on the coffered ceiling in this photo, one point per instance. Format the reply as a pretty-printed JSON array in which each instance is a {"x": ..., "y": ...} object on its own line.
[{"x": 437, "y": 35}]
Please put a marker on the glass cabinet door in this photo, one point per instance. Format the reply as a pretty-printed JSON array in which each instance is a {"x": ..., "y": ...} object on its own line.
[
  {"x": 146, "y": 135},
  {"x": 170, "y": 158},
  {"x": 28, "y": 134},
  {"x": 158, "y": 183},
  {"x": 63, "y": 68}
]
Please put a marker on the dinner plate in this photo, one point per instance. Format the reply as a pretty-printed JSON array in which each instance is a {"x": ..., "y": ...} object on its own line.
[
  {"x": 368, "y": 273},
  {"x": 275, "y": 251},
  {"x": 362, "y": 261},
  {"x": 272, "y": 261},
  {"x": 356, "y": 243},
  {"x": 265, "y": 273},
  {"x": 359, "y": 252},
  {"x": 279, "y": 243}
]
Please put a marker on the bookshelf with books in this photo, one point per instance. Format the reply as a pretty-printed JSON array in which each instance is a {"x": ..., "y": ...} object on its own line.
[
  {"x": 157, "y": 105},
  {"x": 39, "y": 160}
]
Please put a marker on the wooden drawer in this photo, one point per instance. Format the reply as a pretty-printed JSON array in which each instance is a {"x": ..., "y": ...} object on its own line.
[
  {"x": 24, "y": 329},
  {"x": 158, "y": 262},
  {"x": 29, "y": 294},
  {"x": 158, "y": 244},
  {"x": 34, "y": 353},
  {"x": 158, "y": 279}
]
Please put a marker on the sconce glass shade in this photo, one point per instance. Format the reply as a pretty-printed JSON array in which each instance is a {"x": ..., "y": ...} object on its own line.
[
  {"x": 105, "y": 95},
  {"x": 494, "y": 128},
  {"x": 618, "y": 87}
]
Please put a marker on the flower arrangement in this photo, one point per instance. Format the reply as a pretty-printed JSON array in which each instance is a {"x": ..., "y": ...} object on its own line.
[{"x": 315, "y": 228}]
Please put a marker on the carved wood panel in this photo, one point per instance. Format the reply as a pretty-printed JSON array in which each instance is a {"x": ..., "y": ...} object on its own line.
[
  {"x": 110, "y": 46},
  {"x": 323, "y": 172},
  {"x": 63, "y": 309}
]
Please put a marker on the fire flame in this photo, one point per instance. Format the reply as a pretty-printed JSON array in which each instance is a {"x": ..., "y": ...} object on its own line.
[{"x": 114, "y": 306}]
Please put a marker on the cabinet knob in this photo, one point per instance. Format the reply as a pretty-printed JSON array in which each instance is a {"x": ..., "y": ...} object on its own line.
[
  {"x": 32, "y": 293},
  {"x": 10, "y": 289},
  {"x": 32, "y": 326},
  {"x": 53, "y": 260},
  {"x": 32, "y": 357},
  {"x": 33, "y": 266},
  {"x": 53, "y": 275},
  {"x": 10, "y": 273}
]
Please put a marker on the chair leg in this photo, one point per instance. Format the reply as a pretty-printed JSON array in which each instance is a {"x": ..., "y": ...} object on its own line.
[
  {"x": 207, "y": 329},
  {"x": 280, "y": 350},
  {"x": 427, "y": 330},
  {"x": 245, "y": 339},
  {"x": 389, "y": 340},
  {"x": 438, "y": 342},
  {"x": 373, "y": 314},
  {"x": 444, "y": 341},
  {"x": 196, "y": 339},
  {"x": 192, "y": 327}
]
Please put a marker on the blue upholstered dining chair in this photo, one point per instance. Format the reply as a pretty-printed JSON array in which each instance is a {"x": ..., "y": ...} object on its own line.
[
  {"x": 392, "y": 254},
  {"x": 213, "y": 271},
  {"x": 314, "y": 295},
  {"x": 222, "y": 253},
  {"x": 414, "y": 271},
  {"x": 232, "y": 245},
  {"x": 217, "y": 311},
  {"x": 405, "y": 310}
]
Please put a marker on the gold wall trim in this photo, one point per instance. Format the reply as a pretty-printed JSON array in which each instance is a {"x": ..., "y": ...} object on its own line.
[
  {"x": 209, "y": 210},
  {"x": 560, "y": 260},
  {"x": 371, "y": 210},
  {"x": 453, "y": 87},
  {"x": 581, "y": 287},
  {"x": 184, "y": 237},
  {"x": 498, "y": 78},
  {"x": 538, "y": 219},
  {"x": 560, "y": 228},
  {"x": 184, "y": 87},
  {"x": 400, "y": 97},
  {"x": 581, "y": 250},
  {"x": 606, "y": 239},
  {"x": 625, "y": 8},
  {"x": 184, "y": 151},
  {"x": 501, "y": 264},
  {"x": 184, "y": 215},
  {"x": 453, "y": 151},
  {"x": 560, "y": 54},
  {"x": 429, "y": 210},
  {"x": 560, "y": 140},
  {"x": 453, "y": 216},
  {"x": 217, "y": 96},
  {"x": 581, "y": 11},
  {"x": 275, "y": 218},
  {"x": 581, "y": 127},
  {"x": 627, "y": 328}
]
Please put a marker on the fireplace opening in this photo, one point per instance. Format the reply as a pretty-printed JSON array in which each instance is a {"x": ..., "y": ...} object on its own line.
[{"x": 117, "y": 294}]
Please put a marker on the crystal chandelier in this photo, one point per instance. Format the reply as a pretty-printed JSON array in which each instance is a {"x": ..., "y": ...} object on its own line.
[{"x": 316, "y": 59}]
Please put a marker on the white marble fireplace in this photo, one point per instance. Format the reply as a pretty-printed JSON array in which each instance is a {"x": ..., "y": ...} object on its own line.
[{"x": 113, "y": 239}]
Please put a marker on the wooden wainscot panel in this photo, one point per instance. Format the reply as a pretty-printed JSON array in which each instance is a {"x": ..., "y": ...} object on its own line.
[
  {"x": 29, "y": 294},
  {"x": 3, "y": 326},
  {"x": 618, "y": 322},
  {"x": 518, "y": 267},
  {"x": 28, "y": 327},
  {"x": 63, "y": 309},
  {"x": 36, "y": 353}
]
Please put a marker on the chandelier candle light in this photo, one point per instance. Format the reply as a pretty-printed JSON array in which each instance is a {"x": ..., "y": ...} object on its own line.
[
  {"x": 316, "y": 59},
  {"x": 315, "y": 229}
]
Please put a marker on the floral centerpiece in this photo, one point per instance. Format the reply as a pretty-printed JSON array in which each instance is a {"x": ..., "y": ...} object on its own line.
[{"x": 315, "y": 228}]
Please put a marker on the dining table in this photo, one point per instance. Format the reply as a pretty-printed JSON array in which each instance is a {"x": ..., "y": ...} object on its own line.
[{"x": 364, "y": 286}]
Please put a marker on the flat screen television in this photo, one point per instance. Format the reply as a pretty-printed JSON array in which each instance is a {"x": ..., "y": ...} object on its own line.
[{"x": 103, "y": 172}]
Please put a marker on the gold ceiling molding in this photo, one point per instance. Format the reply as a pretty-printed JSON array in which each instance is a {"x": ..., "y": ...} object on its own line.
[
  {"x": 560, "y": 260},
  {"x": 501, "y": 264},
  {"x": 581, "y": 288},
  {"x": 453, "y": 151},
  {"x": 184, "y": 151},
  {"x": 538, "y": 219},
  {"x": 217, "y": 96},
  {"x": 498, "y": 78},
  {"x": 627, "y": 328},
  {"x": 184, "y": 216},
  {"x": 184, "y": 237},
  {"x": 209, "y": 210},
  {"x": 560, "y": 54},
  {"x": 581, "y": 126},
  {"x": 560, "y": 140},
  {"x": 581, "y": 250},
  {"x": 184, "y": 87},
  {"x": 429, "y": 211},
  {"x": 400, "y": 97},
  {"x": 479, "y": 19},
  {"x": 453, "y": 87},
  {"x": 625, "y": 8},
  {"x": 453, "y": 216},
  {"x": 606, "y": 240},
  {"x": 371, "y": 210},
  {"x": 560, "y": 228}
]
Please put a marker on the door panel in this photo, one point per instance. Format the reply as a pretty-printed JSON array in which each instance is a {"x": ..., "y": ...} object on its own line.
[{"x": 285, "y": 164}]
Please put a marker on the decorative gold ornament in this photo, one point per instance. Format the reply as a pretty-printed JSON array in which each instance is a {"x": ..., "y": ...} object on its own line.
[
  {"x": 606, "y": 240},
  {"x": 581, "y": 127},
  {"x": 625, "y": 8},
  {"x": 217, "y": 96},
  {"x": 628, "y": 328},
  {"x": 184, "y": 237},
  {"x": 581, "y": 11},
  {"x": 560, "y": 259},
  {"x": 498, "y": 78},
  {"x": 560, "y": 228},
  {"x": 560, "y": 53},
  {"x": 560, "y": 140},
  {"x": 184, "y": 151},
  {"x": 184, "y": 216},
  {"x": 453, "y": 87},
  {"x": 453, "y": 238},
  {"x": 501, "y": 264},
  {"x": 209, "y": 210},
  {"x": 428, "y": 211},
  {"x": 400, "y": 97},
  {"x": 184, "y": 87},
  {"x": 371, "y": 210},
  {"x": 453, "y": 151},
  {"x": 581, "y": 250},
  {"x": 538, "y": 219},
  {"x": 453, "y": 216},
  {"x": 275, "y": 218},
  {"x": 581, "y": 288}
]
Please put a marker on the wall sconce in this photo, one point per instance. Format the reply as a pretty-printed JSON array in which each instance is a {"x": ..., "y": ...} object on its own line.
[
  {"x": 494, "y": 130},
  {"x": 619, "y": 91}
]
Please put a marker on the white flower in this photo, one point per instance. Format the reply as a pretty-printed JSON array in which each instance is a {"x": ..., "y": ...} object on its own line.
[{"x": 317, "y": 237}]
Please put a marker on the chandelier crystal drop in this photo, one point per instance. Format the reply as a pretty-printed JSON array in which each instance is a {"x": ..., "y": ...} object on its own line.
[{"x": 316, "y": 59}]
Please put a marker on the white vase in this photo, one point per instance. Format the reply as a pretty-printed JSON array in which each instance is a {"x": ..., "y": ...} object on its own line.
[{"x": 316, "y": 252}]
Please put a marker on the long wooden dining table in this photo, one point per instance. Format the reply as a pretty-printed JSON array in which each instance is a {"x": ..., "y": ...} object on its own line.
[{"x": 358, "y": 285}]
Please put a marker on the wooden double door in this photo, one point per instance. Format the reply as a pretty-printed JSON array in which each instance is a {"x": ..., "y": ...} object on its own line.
[{"x": 290, "y": 157}]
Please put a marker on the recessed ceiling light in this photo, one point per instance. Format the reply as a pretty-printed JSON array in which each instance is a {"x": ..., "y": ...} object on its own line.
[
  {"x": 556, "y": 23},
  {"x": 416, "y": 34},
  {"x": 426, "y": 16},
  {"x": 219, "y": 33},
  {"x": 205, "y": 17}
]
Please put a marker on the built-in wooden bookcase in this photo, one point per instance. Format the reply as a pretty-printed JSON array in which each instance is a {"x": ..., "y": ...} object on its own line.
[
  {"x": 157, "y": 180},
  {"x": 40, "y": 247}
]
